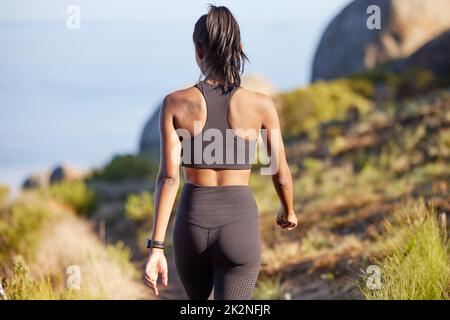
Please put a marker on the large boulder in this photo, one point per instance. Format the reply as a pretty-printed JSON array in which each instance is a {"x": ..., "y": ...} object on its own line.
[
  {"x": 65, "y": 172},
  {"x": 149, "y": 143},
  {"x": 39, "y": 179},
  {"x": 433, "y": 56},
  {"x": 348, "y": 46}
]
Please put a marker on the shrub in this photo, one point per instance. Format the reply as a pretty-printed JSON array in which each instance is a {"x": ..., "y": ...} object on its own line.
[
  {"x": 304, "y": 109},
  {"x": 139, "y": 207},
  {"x": 361, "y": 86},
  {"x": 20, "y": 226},
  {"x": 4, "y": 192},
  {"x": 416, "y": 81},
  {"x": 22, "y": 287},
  {"x": 127, "y": 167},
  {"x": 74, "y": 194},
  {"x": 409, "y": 82}
]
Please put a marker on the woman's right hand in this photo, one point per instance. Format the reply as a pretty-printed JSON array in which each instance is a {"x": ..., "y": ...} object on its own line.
[
  {"x": 286, "y": 220},
  {"x": 156, "y": 264}
]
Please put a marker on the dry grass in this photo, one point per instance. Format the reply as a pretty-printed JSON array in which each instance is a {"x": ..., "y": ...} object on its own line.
[
  {"x": 105, "y": 270},
  {"x": 60, "y": 239},
  {"x": 280, "y": 255}
]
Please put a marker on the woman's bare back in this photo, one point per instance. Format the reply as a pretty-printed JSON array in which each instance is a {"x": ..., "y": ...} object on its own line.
[{"x": 246, "y": 112}]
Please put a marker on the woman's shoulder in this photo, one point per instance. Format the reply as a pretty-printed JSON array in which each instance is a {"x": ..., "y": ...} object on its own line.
[
  {"x": 256, "y": 99},
  {"x": 182, "y": 94},
  {"x": 182, "y": 97}
]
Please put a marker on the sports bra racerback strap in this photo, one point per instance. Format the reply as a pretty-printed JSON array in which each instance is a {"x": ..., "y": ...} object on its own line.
[
  {"x": 227, "y": 151},
  {"x": 217, "y": 102}
]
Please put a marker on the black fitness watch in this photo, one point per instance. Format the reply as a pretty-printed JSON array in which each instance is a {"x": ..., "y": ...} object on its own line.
[{"x": 155, "y": 244}]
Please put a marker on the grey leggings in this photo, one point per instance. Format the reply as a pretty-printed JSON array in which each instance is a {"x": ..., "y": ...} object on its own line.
[{"x": 216, "y": 242}]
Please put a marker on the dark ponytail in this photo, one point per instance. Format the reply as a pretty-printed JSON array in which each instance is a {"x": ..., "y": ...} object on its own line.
[{"x": 217, "y": 34}]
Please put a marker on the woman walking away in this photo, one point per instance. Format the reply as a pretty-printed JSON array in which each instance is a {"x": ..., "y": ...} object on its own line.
[{"x": 211, "y": 128}]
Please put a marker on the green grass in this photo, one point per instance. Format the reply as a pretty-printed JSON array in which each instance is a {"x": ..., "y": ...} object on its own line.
[
  {"x": 268, "y": 288},
  {"x": 417, "y": 266}
]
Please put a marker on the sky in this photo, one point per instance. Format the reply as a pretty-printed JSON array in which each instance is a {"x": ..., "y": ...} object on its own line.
[
  {"x": 176, "y": 10},
  {"x": 272, "y": 31},
  {"x": 81, "y": 96}
]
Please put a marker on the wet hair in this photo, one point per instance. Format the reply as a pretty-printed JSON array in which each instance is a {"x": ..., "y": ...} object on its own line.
[{"x": 217, "y": 34}]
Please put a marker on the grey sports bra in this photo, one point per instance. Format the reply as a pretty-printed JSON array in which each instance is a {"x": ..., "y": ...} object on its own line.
[{"x": 217, "y": 146}]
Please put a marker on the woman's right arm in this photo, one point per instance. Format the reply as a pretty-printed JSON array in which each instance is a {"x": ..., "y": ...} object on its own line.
[
  {"x": 281, "y": 175},
  {"x": 167, "y": 185}
]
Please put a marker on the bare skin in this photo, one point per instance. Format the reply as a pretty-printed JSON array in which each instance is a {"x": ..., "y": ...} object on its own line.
[{"x": 247, "y": 110}]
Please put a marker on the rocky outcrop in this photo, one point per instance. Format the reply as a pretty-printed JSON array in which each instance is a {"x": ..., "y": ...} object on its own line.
[
  {"x": 348, "y": 46},
  {"x": 62, "y": 172},
  {"x": 37, "y": 180},
  {"x": 433, "y": 56},
  {"x": 149, "y": 143},
  {"x": 67, "y": 172}
]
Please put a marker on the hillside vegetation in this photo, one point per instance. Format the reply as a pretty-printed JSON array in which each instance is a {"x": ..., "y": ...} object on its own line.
[
  {"x": 370, "y": 157},
  {"x": 366, "y": 151},
  {"x": 42, "y": 235}
]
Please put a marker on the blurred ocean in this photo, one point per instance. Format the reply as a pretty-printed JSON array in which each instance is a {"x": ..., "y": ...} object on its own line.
[{"x": 81, "y": 96}]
